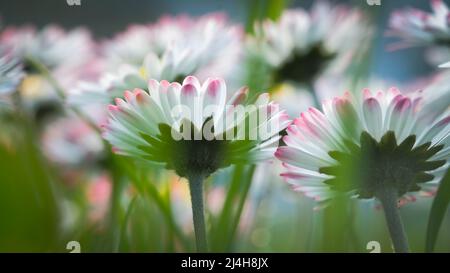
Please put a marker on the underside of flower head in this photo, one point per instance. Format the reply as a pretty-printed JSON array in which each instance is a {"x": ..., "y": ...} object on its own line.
[
  {"x": 373, "y": 166},
  {"x": 416, "y": 27},
  {"x": 193, "y": 127},
  {"x": 304, "y": 67},
  {"x": 302, "y": 44},
  {"x": 363, "y": 146}
]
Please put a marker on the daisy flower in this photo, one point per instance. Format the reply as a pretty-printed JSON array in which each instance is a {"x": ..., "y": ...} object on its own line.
[
  {"x": 419, "y": 28},
  {"x": 303, "y": 44},
  {"x": 384, "y": 145},
  {"x": 128, "y": 47},
  {"x": 170, "y": 49},
  {"x": 69, "y": 141},
  {"x": 194, "y": 129},
  {"x": 210, "y": 49},
  {"x": 67, "y": 55},
  {"x": 52, "y": 46}
]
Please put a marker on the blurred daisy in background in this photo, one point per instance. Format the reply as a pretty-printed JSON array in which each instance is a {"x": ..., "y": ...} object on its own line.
[
  {"x": 302, "y": 45},
  {"x": 385, "y": 145},
  {"x": 11, "y": 73},
  {"x": 52, "y": 46},
  {"x": 90, "y": 208},
  {"x": 170, "y": 49},
  {"x": 437, "y": 91},
  {"x": 293, "y": 100},
  {"x": 69, "y": 141},
  {"x": 128, "y": 47},
  {"x": 98, "y": 195},
  {"x": 68, "y": 55},
  {"x": 419, "y": 28},
  {"x": 166, "y": 43}
]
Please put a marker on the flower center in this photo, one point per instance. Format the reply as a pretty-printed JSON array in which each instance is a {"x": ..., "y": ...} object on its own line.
[
  {"x": 304, "y": 68},
  {"x": 443, "y": 41},
  {"x": 193, "y": 156},
  {"x": 374, "y": 166},
  {"x": 180, "y": 78}
]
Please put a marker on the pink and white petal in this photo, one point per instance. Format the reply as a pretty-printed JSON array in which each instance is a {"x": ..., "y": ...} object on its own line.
[
  {"x": 192, "y": 81},
  {"x": 173, "y": 94},
  {"x": 300, "y": 158},
  {"x": 432, "y": 131},
  {"x": 373, "y": 117},
  {"x": 190, "y": 99},
  {"x": 214, "y": 98},
  {"x": 400, "y": 116},
  {"x": 239, "y": 96}
]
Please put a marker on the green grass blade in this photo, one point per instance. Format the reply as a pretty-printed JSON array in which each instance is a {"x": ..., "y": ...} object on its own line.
[
  {"x": 240, "y": 207},
  {"x": 222, "y": 226},
  {"x": 261, "y": 9},
  {"x": 148, "y": 189},
  {"x": 123, "y": 246},
  {"x": 437, "y": 213},
  {"x": 275, "y": 8}
]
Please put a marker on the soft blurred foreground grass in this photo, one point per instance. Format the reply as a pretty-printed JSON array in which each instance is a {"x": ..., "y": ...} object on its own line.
[{"x": 41, "y": 213}]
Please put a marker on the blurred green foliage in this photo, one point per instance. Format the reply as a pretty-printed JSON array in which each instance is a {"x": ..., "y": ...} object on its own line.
[{"x": 30, "y": 215}]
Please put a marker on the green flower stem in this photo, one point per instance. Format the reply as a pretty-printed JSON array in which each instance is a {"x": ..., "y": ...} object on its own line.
[
  {"x": 118, "y": 186},
  {"x": 198, "y": 214},
  {"x": 59, "y": 90},
  {"x": 389, "y": 200}
]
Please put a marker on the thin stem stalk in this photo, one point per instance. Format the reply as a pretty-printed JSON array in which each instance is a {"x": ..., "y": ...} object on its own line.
[
  {"x": 389, "y": 200},
  {"x": 198, "y": 213}
]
